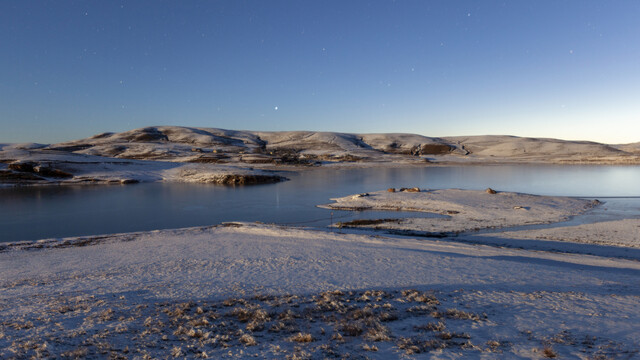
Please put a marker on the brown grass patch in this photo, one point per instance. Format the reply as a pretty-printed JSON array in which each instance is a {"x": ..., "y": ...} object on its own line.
[
  {"x": 301, "y": 338},
  {"x": 548, "y": 352}
]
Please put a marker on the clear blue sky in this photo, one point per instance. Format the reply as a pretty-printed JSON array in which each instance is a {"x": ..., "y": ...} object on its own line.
[{"x": 563, "y": 69}]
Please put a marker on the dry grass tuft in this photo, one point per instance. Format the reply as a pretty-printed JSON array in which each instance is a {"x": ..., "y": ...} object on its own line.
[
  {"x": 78, "y": 353},
  {"x": 105, "y": 315},
  {"x": 548, "y": 352},
  {"x": 233, "y": 301},
  {"x": 301, "y": 338},
  {"x": 461, "y": 315},
  {"x": 493, "y": 344},
  {"x": 378, "y": 294},
  {"x": 378, "y": 333},
  {"x": 433, "y": 326},
  {"x": 446, "y": 335},
  {"x": 248, "y": 340},
  {"x": 330, "y": 301},
  {"x": 288, "y": 315},
  {"x": 358, "y": 313},
  {"x": 387, "y": 316},
  {"x": 180, "y": 310},
  {"x": 413, "y": 295},
  {"x": 417, "y": 346},
  {"x": 367, "y": 347},
  {"x": 176, "y": 351},
  {"x": 351, "y": 328},
  {"x": 337, "y": 337},
  {"x": 421, "y": 309},
  {"x": 253, "y": 315}
]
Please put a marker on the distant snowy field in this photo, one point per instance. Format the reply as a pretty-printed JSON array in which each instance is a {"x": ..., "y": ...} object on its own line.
[{"x": 250, "y": 290}]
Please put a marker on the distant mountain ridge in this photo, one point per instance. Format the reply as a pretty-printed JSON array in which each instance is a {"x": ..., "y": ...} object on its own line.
[{"x": 213, "y": 145}]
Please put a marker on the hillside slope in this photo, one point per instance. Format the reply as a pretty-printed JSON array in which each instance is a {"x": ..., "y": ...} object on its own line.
[
  {"x": 212, "y": 145},
  {"x": 174, "y": 153}
]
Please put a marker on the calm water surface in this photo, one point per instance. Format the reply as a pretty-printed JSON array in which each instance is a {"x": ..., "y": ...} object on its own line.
[{"x": 44, "y": 212}]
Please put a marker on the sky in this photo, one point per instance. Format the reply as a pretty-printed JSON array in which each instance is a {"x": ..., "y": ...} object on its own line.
[{"x": 558, "y": 69}]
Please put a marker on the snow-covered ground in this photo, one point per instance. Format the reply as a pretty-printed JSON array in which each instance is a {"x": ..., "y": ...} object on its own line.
[
  {"x": 245, "y": 290},
  {"x": 624, "y": 233},
  {"x": 24, "y": 165},
  {"x": 464, "y": 209},
  {"x": 468, "y": 211}
]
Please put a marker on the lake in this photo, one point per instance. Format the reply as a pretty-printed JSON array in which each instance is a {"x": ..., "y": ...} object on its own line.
[{"x": 31, "y": 213}]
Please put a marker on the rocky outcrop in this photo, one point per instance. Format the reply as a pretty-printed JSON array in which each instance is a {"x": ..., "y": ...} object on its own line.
[
  {"x": 39, "y": 170},
  {"x": 11, "y": 177},
  {"x": 436, "y": 149},
  {"x": 413, "y": 189},
  {"x": 248, "y": 179},
  {"x": 145, "y": 135}
]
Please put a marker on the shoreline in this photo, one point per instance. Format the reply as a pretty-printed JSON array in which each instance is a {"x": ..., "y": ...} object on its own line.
[
  {"x": 161, "y": 153},
  {"x": 272, "y": 173},
  {"x": 401, "y": 296}
]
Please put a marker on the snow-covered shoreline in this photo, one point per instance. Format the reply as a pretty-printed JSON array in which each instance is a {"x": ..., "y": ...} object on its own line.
[
  {"x": 149, "y": 293},
  {"x": 465, "y": 210},
  {"x": 495, "y": 212},
  {"x": 35, "y": 167}
]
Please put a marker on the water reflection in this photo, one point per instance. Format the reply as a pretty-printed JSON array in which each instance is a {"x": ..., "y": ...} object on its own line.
[{"x": 41, "y": 212}]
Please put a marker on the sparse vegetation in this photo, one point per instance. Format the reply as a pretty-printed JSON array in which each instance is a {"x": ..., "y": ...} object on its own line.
[
  {"x": 367, "y": 347},
  {"x": 301, "y": 338},
  {"x": 336, "y": 324},
  {"x": 461, "y": 315},
  {"x": 493, "y": 344},
  {"x": 548, "y": 352},
  {"x": 413, "y": 345},
  {"x": 248, "y": 340},
  {"x": 432, "y": 326}
]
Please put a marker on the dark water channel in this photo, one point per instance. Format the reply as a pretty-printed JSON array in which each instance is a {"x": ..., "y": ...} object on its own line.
[{"x": 31, "y": 213}]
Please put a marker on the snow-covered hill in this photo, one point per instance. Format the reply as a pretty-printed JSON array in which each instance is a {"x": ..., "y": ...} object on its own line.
[
  {"x": 188, "y": 144},
  {"x": 204, "y": 150}
]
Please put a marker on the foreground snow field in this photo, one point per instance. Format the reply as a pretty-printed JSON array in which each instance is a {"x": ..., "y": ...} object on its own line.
[{"x": 241, "y": 290}]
